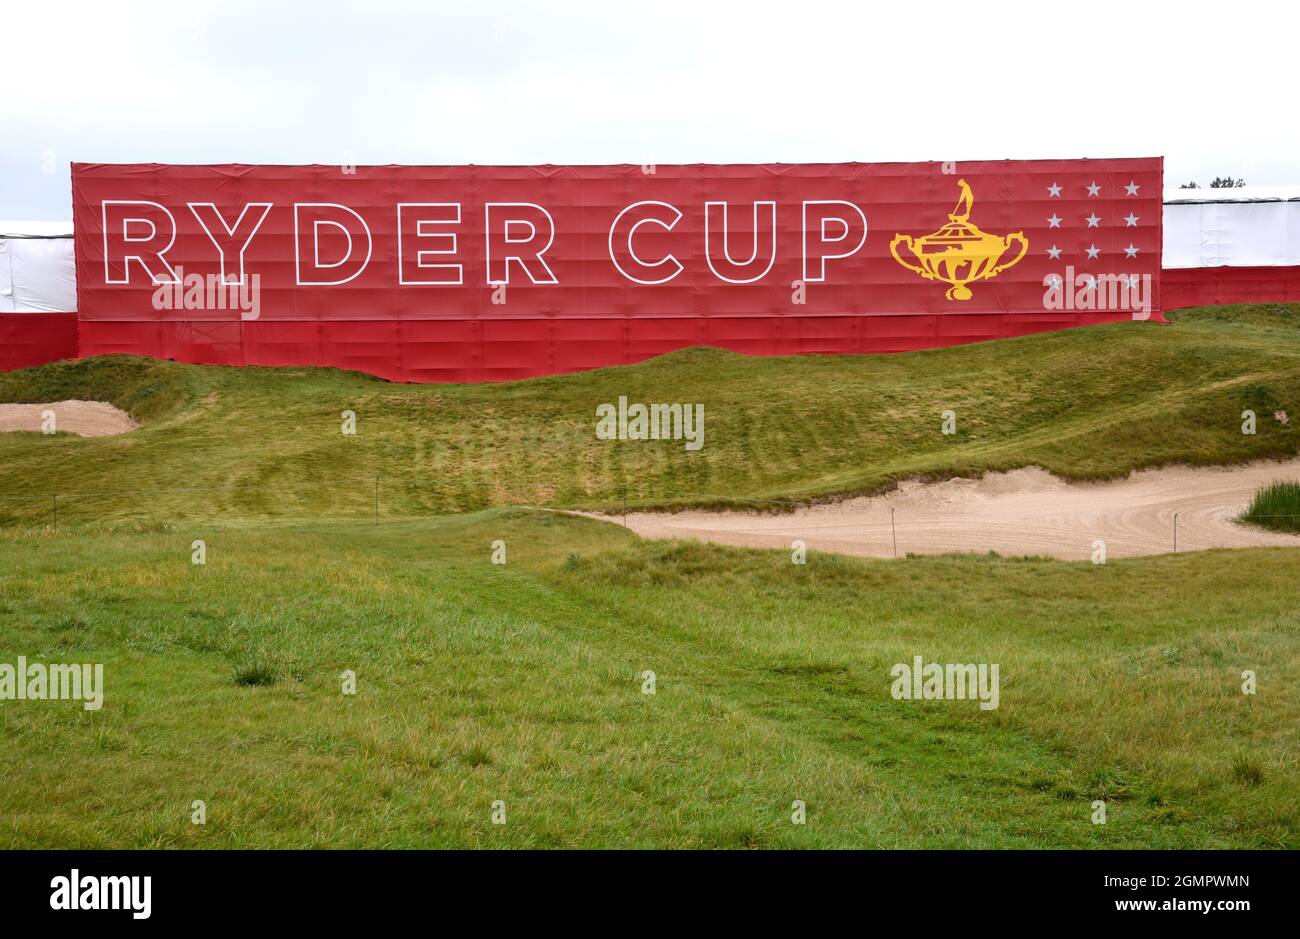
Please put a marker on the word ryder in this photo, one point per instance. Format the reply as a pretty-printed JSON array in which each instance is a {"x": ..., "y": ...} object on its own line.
[{"x": 432, "y": 243}]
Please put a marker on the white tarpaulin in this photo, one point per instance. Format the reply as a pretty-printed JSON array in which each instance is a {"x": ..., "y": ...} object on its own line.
[
  {"x": 37, "y": 270},
  {"x": 1255, "y": 226}
]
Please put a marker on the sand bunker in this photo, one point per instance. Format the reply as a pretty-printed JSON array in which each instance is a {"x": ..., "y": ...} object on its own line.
[
  {"x": 1023, "y": 512},
  {"x": 84, "y": 418}
]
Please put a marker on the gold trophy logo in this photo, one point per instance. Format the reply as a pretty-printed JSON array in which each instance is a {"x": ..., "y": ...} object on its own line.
[{"x": 959, "y": 253}]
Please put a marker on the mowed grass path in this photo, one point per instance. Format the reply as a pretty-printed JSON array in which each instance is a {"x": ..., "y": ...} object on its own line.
[
  {"x": 227, "y": 443},
  {"x": 523, "y": 683}
]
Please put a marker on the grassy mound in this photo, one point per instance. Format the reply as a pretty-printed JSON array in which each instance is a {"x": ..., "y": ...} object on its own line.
[
  {"x": 267, "y": 443},
  {"x": 149, "y": 390},
  {"x": 1276, "y": 506},
  {"x": 524, "y": 682}
]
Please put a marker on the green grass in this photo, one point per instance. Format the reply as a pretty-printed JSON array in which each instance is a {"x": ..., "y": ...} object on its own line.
[
  {"x": 523, "y": 682},
  {"x": 1276, "y": 506},
  {"x": 267, "y": 443}
]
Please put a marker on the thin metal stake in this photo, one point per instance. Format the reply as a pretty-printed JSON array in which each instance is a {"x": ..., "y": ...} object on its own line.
[{"x": 892, "y": 531}]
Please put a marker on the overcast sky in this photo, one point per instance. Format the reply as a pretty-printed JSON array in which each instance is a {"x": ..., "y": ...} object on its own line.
[{"x": 1210, "y": 87}]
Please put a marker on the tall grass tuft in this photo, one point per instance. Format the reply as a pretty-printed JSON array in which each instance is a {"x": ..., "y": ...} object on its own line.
[
  {"x": 255, "y": 672},
  {"x": 1276, "y": 506},
  {"x": 1247, "y": 771}
]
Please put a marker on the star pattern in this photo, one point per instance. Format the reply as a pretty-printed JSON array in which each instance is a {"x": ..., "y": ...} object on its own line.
[{"x": 1066, "y": 250}]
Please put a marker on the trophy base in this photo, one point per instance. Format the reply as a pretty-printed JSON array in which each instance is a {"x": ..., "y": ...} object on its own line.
[{"x": 959, "y": 292}]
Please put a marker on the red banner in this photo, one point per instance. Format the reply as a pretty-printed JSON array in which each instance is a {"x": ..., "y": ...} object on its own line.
[
  {"x": 1211, "y": 286},
  {"x": 483, "y": 273},
  {"x": 29, "y": 339}
]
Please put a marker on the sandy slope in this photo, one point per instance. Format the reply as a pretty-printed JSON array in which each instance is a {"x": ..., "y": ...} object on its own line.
[
  {"x": 1026, "y": 511},
  {"x": 85, "y": 418}
]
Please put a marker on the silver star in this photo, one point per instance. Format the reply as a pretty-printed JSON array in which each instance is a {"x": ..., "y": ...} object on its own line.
[
  {"x": 1054, "y": 280},
  {"x": 1093, "y": 220},
  {"x": 1054, "y": 221},
  {"x": 1132, "y": 188},
  {"x": 1131, "y": 220},
  {"x": 1094, "y": 189},
  {"x": 1132, "y": 281},
  {"x": 1093, "y": 251},
  {"x": 1054, "y": 191},
  {"x": 1131, "y": 251},
  {"x": 1091, "y": 282},
  {"x": 1055, "y": 252}
]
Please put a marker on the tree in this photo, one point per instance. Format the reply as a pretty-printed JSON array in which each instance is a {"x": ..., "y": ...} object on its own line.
[{"x": 1219, "y": 182}]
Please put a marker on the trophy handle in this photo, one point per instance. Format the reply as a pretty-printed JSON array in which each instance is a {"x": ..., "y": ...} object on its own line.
[
  {"x": 1006, "y": 242},
  {"x": 907, "y": 240}
]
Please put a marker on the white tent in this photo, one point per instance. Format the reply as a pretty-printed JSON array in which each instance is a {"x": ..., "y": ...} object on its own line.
[
  {"x": 1253, "y": 226},
  {"x": 37, "y": 269}
]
